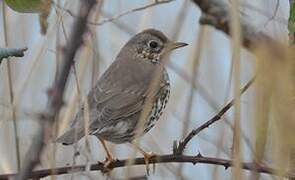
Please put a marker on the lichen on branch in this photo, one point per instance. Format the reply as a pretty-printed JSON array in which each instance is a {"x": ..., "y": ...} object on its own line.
[{"x": 11, "y": 52}]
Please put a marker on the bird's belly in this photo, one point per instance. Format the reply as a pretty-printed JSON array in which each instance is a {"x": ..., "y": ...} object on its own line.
[{"x": 121, "y": 132}]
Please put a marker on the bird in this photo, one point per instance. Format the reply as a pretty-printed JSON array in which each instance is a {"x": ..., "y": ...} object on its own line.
[{"x": 119, "y": 98}]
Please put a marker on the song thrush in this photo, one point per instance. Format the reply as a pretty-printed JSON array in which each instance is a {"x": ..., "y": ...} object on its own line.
[{"x": 119, "y": 96}]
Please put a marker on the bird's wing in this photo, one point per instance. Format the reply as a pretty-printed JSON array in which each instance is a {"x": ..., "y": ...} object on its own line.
[
  {"x": 117, "y": 94},
  {"x": 104, "y": 108},
  {"x": 119, "y": 105}
]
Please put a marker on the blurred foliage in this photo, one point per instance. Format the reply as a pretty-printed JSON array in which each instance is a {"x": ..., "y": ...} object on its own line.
[
  {"x": 291, "y": 24},
  {"x": 42, "y": 7},
  {"x": 25, "y": 6}
]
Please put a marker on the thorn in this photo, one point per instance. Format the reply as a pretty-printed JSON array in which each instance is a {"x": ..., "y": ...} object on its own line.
[
  {"x": 175, "y": 147},
  {"x": 199, "y": 155}
]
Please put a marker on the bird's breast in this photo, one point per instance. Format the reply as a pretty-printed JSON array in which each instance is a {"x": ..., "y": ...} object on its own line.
[{"x": 159, "y": 104}]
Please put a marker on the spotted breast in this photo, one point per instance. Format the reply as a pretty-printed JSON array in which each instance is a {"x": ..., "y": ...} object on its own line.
[{"x": 159, "y": 104}]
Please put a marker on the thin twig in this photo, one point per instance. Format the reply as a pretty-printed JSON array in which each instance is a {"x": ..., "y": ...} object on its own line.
[
  {"x": 235, "y": 30},
  {"x": 264, "y": 13},
  {"x": 19, "y": 53},
  {"x": 216, "y": 13},
  {"x": 167, "y": 158},
  {"x": 55, "y": 94},
  {"x": 274, "y": 13},
  {"x": 116, "y": 17},
  {"x": 179, "y": 148},
  {"x": 130, "y": 11}
]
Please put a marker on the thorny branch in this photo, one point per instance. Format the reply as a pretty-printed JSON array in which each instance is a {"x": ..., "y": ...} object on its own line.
[
  {"x": 168, "y": 158},
  {"x": 55, "y": 94},
  {"x": 179, "y": 148}
]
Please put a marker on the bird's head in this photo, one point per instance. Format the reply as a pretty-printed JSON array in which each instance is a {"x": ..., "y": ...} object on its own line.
[{"x": 152, "y": 45}]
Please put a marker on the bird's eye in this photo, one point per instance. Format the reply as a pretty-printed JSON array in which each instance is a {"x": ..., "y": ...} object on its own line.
[{"x": 153, "y": 44}]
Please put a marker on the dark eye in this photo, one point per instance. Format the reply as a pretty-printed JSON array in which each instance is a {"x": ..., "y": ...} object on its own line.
[{"x": 153, "y": 44}]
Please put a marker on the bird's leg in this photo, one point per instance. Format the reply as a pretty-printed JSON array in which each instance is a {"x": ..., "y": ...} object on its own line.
[
  {"x": 147, "y": 157},
  {"x": 110, "y": 158}
]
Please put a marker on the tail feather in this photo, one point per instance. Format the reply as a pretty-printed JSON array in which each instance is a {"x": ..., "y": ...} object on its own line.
[{"x": 70, "y": 137}]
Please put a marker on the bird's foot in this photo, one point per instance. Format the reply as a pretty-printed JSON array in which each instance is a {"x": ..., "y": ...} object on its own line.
[
  {"x": 108, "y": 164},
  {"x": 148, "y": 156}
]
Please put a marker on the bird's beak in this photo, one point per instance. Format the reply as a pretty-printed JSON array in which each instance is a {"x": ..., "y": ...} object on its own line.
[{"x": 176, "y": 45}]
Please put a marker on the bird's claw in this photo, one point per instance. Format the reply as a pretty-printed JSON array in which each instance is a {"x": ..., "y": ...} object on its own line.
[
  {"x": 107, "y": 164},
  {"x": 147, "y": 157}
]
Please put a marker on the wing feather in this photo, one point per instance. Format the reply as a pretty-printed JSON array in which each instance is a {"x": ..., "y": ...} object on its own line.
[{"x": 117, "y": 94}]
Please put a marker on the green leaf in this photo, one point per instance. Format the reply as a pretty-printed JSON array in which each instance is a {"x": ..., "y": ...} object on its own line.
[
  {"x": 42, "y": 7},
  {"x": 291, "y": 24},
  {"x": 25, "y": 6}
]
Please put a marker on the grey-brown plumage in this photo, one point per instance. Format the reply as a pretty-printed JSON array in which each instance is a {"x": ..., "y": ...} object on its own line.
[{"x": 118, "y": 98}]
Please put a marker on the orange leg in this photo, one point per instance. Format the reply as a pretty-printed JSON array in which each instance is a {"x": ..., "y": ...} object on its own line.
[
  {"x": 108, "y": 152},
  {"x": 147, "y": 157},
  {"x": 110, "y": 158}
]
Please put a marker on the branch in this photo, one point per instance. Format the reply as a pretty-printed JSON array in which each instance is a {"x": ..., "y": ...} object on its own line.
[
  {"x": 168, "y": 158},
  {"x": 116, "y": 17},
  {"x": 11, "y": 52},
  {"x": 55, "y": 94},
  {"x": 131, "y": 11},
  {"x": 217, "y": 14},
  {"x": 179, "y": 148}
]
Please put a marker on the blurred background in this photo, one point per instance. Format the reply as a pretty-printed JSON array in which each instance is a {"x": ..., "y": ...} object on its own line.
[{"x": 201, "y": 78}]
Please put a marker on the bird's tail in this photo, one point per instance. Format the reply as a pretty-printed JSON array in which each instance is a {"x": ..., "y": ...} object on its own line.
[{"x": 70, "y": 137}]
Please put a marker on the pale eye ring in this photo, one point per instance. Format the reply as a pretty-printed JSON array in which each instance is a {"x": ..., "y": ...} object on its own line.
[{"x": 153, "y": 44}]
